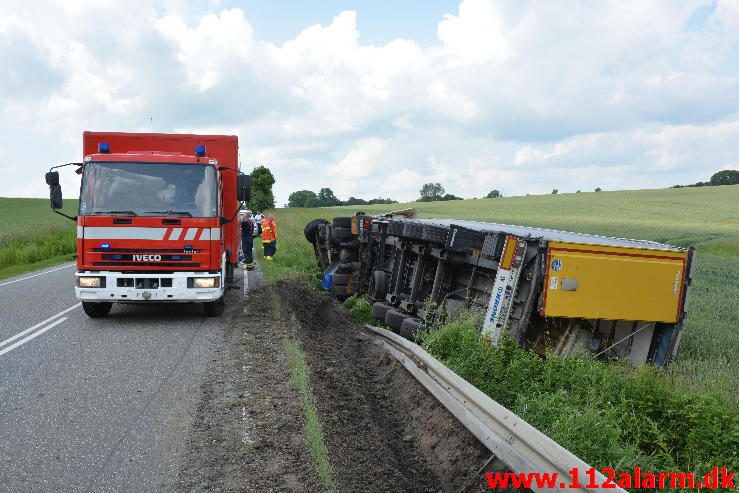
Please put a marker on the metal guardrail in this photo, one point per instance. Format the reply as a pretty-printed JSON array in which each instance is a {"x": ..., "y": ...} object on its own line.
[{"x": 520, "y": 446}]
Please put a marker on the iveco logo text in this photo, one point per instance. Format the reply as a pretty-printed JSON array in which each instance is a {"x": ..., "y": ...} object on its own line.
[{"x": 147, "y": 258}]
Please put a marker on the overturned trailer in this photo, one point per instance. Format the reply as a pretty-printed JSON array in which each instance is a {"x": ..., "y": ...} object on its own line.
[{"x": 549, "y": 290}]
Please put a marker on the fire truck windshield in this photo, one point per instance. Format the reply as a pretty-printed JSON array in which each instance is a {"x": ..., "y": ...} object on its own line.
[{"x": 149, "y": 189}]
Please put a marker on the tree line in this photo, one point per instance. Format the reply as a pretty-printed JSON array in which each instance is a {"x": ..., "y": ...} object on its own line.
[
  {"x": 725, "y": 177},
  {"x": 326, "y": 198}
]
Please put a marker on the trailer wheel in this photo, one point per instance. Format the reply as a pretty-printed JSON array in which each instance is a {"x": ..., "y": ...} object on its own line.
[
  {"x": 215, "y": 308},
  {"x": 311, "y": 229},
  {"x": 379, "y": 310},
  {"x": 342, "y": 222},
  {"x": 341, "y": 234},
  {"x": 394, "y": 319},
  {"x": 410, "y": 328},
  {"x": 96, "y": 310},
  {"x": 377, "y": 285}
]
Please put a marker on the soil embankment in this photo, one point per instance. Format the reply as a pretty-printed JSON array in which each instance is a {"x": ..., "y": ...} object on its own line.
[{"x": 382, "y": 430}]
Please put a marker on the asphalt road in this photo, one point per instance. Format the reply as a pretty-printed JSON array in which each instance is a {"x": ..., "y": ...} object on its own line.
[{"x": 95, "y": 404}]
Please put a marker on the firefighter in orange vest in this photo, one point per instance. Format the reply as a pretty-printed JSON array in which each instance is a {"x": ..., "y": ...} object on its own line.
[{"x": 269, "y": 237}]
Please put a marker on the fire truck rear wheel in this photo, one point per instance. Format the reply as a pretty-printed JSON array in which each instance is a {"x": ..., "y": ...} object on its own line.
[
  {"x": 214, "y": 308},
  {"x": 96, "y": 310}
]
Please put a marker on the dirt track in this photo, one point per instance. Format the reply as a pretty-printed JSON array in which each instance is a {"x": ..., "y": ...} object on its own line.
[{"x": 383, "y": 431}]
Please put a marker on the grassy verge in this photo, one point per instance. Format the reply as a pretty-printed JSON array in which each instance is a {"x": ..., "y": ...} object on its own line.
[
  {"x": 312, "y": 429},
  {"x": 608, "y": 415},
  {"x": 33, "y": 237},
  {"x": 16, "y": 270}
]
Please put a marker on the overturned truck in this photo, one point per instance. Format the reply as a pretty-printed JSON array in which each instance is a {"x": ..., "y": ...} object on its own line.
[{"x": 567, "y": 293}]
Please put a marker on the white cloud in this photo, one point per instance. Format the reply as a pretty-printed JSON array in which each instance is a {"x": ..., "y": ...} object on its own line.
[{"x": 522, "y": 96}]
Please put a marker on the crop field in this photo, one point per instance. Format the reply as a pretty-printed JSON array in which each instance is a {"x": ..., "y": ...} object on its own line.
[
  {"x": 32, "y": 236},
  {"x": 706, "y": 218}
]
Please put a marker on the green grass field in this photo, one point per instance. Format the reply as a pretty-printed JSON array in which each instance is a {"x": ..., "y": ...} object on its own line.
[
  {"x": 706, "y": 218},
  {"x": 32, "y": 236}
]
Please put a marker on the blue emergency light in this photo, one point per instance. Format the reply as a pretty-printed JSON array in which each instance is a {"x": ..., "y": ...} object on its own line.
[
  {"x": 200, "y": 150},
  {"x": 104, "y": 148},
  {"x": 105, "y": 245}
]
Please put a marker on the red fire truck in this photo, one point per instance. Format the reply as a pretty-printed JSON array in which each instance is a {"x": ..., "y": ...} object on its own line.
[{"x": 157, "y": 219}]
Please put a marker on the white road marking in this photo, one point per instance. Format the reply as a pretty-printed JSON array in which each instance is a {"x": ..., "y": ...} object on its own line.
[
  {"x": 21, "y": 334},
  {"x": 36, "y": 275},
  {"x": 32, "y": 336}
]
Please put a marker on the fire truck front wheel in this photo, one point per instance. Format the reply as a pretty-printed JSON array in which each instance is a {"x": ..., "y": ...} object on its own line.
[
  {"x": 215, "y": 308},
  {"x": 96, "y": 310}
]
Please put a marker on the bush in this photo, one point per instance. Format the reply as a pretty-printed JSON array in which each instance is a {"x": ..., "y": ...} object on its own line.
[{"x": 608, "y": 415}]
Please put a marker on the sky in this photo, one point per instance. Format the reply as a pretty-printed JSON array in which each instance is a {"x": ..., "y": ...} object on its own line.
[{"x": 373, "y": 98}]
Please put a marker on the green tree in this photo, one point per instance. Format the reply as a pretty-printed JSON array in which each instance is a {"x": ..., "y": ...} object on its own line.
[
  {"x": 355, "y": 201},
  {"x": 598, "y": 189},
  {"x": 555, "y": 191},
  {"x": 431, "y": 192},
  {"x": 301, "y": 198},
  {"x": 725, "y": 177},
  {"x": 262, "y": 197},
  {"x": 326, "y": 198},
  {"x": 494, "y": 194}
]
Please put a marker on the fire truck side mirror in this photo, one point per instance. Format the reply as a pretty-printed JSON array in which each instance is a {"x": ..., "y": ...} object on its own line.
[
  {"x": 244, "y": 188},
  {"x": 55, "y": 190}
]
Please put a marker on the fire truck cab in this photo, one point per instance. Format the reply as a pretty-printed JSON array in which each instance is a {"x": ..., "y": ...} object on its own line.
[{"x": 157, "y": 219}]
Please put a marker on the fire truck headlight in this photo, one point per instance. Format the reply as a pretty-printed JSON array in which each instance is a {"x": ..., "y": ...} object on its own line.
[
  {"x": 206, "y": 282},
  {"x": 88, "y": 282}
]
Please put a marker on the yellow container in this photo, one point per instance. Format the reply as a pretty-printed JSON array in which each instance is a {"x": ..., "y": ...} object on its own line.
[{"x": 613, "y": 282}]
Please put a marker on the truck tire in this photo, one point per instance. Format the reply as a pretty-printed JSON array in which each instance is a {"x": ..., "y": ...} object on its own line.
[
  {"x": 410, "y": 328},
  {"x": 96, "y": 310},
  {"x": 435, "y": 234},
  {"x": 395, "y": 228},
  {"x": 214, "y": 308},
  {"x": 377, "y": 285},
  {"x": 342, "y": 222},
  {"x": 311, "y": 229},
  {"x": 379, "y": 310},
  {"x": 341, "y": 235},
  {"x": 413, "y": 231},
  {"x": 394, "y": 319}
]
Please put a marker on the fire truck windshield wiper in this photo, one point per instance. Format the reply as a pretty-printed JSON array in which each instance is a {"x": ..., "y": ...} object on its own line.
[
  {"x": 170, "y": 213},
  {"x": 128, "y": 213}
]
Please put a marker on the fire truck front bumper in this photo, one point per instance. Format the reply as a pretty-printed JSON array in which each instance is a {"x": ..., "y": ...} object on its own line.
[{"x": 176, "y": 287}]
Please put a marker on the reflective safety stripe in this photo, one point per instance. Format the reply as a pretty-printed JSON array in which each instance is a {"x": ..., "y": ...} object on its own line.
[
  {"x": 135, "y": 233},
  {"x": 123, "y": 233}
]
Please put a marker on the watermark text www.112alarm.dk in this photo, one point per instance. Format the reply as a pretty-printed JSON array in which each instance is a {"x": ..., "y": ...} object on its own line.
[{"x": 607, "y": 478}]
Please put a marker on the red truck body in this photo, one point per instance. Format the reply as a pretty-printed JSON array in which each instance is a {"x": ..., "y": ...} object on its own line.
[{"x": 142, "y": 255}]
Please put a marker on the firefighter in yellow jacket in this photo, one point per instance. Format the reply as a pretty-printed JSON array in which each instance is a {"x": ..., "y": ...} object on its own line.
[{"x": 269, "y": 237}]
